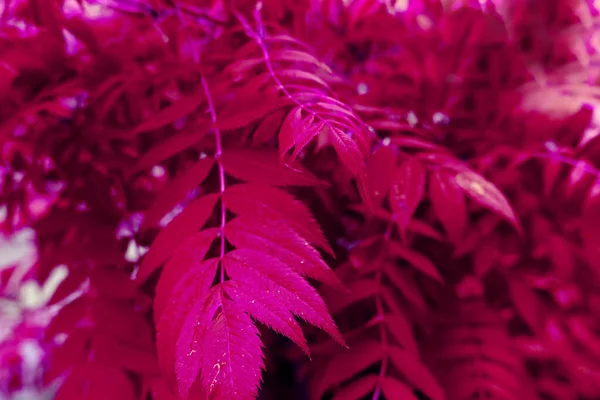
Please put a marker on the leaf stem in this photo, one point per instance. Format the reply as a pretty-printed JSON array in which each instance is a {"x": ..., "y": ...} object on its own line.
[
  {"x": 261, "y": 44},
  {"x": 381, "y": 317},
  {"x": 218, "y": 153}
]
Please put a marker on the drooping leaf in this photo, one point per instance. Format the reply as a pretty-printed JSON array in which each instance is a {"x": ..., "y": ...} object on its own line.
[
  {"x": 189, "y": 291},
  {"x": 485, "y": 193},
  {"x": 219, "y": 344},
  {"x": 278, "y": 240}
]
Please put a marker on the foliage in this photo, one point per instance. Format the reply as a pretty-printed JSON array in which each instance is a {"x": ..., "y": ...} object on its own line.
[{"x": 204, "y": 180}]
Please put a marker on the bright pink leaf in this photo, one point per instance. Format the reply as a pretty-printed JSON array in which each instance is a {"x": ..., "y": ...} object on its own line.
[
  {"x": 278, "y": 240},
  {"x": 260, "y": 305},
  {"x": 189, "y": 291},
  {"x": 219, "y": 344},
  {"x": 293, "y": 292},
  {"x": 268, "y": 202}
]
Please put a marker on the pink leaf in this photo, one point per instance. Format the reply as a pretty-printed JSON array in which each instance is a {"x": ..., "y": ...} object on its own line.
[
  {"x": 189, "y": 291},
  {"x": 191, "y": 219},
  {"x": 293, "y": 292},
  {"x": 175, "y": 191},
  {"x": 220, "y": 343},
  {"x": 449, "y": 204},
  {"x": 407, "y": 192},
  {"x": 278, "y": 240},
  {"x": 292, "y": 131},
  {"x": 267, "y": 202},
  {"x": 262, "y": 166},
  {"x": 260, "y": 306}
]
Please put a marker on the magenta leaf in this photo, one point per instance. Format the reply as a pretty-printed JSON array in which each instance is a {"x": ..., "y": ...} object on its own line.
[
  {"x": 407, "y": 192},
  {"x": 272, "y": 203},
  {"x": 485, "y": 193},
  {"x": 193, "y": 217},
  {"x": 263, "y": 167},
  {"x": 176, "y": 191},
  {"x": 272, "y": 276}
]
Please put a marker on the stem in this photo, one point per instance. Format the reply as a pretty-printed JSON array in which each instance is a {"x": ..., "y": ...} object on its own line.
[
  {"x": 261, "y": 44},
  {"x": 218, "y": 153},
  {"x": 383, "y": 337}
]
